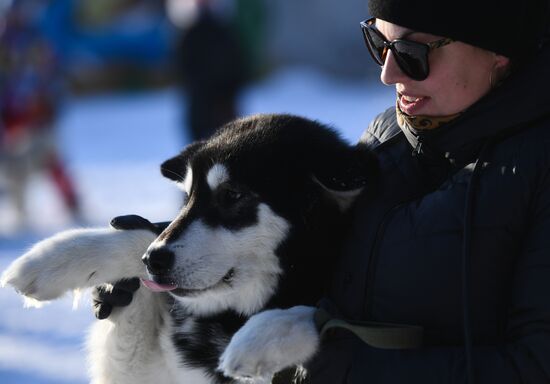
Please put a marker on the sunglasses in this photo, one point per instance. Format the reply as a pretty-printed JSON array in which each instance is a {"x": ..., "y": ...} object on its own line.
[{"x": 411, "y": 56}]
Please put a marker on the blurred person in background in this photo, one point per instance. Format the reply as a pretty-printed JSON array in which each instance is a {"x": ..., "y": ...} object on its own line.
[
  {"x": 210, "y": 64},
  {"x": 250, "y": 22},
  {"x": 29, "y": 104}
]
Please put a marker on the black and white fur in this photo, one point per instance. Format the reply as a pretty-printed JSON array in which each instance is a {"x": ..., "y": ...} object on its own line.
[{"x": 264, "y": 209}]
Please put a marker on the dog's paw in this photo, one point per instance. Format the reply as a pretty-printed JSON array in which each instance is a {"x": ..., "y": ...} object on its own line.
[
  {"x": 40, "y": 273},
  {"x": 269, "y": 342},
  {"x": 77, "y": 259}
]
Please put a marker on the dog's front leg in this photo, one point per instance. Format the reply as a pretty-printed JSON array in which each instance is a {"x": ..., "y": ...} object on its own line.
[
  {"x": 270, "y": 342},
  {"x": 128, "y": 347},
  {"x": 78, "y": 259}
]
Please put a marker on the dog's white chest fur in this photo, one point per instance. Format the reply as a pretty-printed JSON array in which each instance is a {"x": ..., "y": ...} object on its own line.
[{"x": 135, "y": 346}]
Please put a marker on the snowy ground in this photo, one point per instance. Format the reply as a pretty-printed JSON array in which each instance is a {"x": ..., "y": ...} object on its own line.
[{"x": 114, "y": 145}]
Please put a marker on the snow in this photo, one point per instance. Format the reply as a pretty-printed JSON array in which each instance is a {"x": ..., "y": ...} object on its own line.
[{"x": 113, "y": 145}]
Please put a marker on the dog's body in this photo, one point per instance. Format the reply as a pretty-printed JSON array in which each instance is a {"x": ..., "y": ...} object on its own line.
[{"x": 262, "y": 219}]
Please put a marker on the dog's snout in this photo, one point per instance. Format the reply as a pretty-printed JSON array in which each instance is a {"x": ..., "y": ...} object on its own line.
[{"x": 159, "y": 261}]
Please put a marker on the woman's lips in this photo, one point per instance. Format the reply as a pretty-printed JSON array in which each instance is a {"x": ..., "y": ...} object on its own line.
[{"x": 411, "y": 105}]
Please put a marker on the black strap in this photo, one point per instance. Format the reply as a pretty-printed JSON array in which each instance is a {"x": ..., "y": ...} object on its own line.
[{"x": 375, "y": 334}]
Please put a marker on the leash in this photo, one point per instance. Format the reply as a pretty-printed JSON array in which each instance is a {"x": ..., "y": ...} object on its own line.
[{"x": 375, "y": 334}]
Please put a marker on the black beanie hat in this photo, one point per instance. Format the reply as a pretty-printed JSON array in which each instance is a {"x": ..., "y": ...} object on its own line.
[{"x": 508, "y": 27}]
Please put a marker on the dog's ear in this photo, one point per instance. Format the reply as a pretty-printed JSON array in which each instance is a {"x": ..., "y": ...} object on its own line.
[
  {"x": 343, "y": 176},
  {"x": 176, "y": 167}
]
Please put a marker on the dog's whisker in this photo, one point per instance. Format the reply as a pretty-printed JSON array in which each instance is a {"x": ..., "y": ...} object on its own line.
[
  {"x": 173, "y": 307},
  {"x": 174, "y": 173}
]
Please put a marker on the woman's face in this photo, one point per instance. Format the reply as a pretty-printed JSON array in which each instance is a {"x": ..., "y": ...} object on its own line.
[{"x": 460, "y": 74}]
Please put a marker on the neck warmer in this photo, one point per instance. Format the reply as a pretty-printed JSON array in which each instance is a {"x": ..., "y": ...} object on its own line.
[{"x": 422, "y": 123}]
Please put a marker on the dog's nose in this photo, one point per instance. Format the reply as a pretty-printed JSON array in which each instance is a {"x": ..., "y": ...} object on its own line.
[{"x": 158, "y": 261}]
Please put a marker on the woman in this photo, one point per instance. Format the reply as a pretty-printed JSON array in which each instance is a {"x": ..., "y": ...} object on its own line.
[{"x": 458, "y": 239}]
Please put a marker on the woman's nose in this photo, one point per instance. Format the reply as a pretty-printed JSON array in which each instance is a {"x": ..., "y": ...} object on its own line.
[{"x": 391, "y": 72}]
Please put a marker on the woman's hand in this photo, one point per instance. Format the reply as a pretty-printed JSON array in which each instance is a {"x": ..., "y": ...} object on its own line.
[{"x": 105, "y": 297}]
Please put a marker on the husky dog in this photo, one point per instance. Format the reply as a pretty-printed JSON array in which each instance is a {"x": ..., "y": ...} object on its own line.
[{"x": 265, "y": 203}]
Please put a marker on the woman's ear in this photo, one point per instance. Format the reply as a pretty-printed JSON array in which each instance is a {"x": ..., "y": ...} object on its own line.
[
  {"x": 501, "y": 62},
  {"x": 502, "y": 66},
  {"x": 500, "y": 70}
]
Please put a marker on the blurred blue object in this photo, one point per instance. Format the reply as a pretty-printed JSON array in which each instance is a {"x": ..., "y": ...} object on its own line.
[{"x": 141, "y": 35}]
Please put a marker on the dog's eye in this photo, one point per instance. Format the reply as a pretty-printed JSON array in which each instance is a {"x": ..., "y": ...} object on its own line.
[
  {"x": 229, "y": 195},
  {"x": 232, "y": 196}
]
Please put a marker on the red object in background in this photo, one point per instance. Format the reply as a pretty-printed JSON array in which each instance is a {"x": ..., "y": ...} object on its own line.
[{"x": 63, "y": 183}]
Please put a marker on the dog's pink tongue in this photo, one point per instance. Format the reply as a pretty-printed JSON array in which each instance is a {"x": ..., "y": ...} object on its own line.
[{"x": 156, "y": 287}]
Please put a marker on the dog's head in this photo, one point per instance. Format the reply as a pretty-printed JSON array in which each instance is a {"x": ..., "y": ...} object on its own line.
[{"x": 245, "y": 189}]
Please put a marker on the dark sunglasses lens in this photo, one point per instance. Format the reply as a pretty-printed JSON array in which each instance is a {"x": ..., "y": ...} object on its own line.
[
  {"x": 376, "y": 45},
  {"x": 412, "y": 58}
]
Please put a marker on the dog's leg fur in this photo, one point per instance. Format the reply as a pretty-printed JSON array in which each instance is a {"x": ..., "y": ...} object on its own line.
[
  {"x": 78, "y": 259},
  {"x": 128, "y": 347},
  {"x": 135, "y": 346}
]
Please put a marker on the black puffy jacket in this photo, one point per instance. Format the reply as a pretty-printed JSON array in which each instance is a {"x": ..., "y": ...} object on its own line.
[{"x": 459, "y": 229}]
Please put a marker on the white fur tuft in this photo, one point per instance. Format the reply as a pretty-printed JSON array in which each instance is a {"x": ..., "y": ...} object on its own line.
[
  {"x": 344, "y": 199},
  {"x": 32, "y": 303},
  {"x": 188, "y": 181},
  {"x": 217, "y": 175}
]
